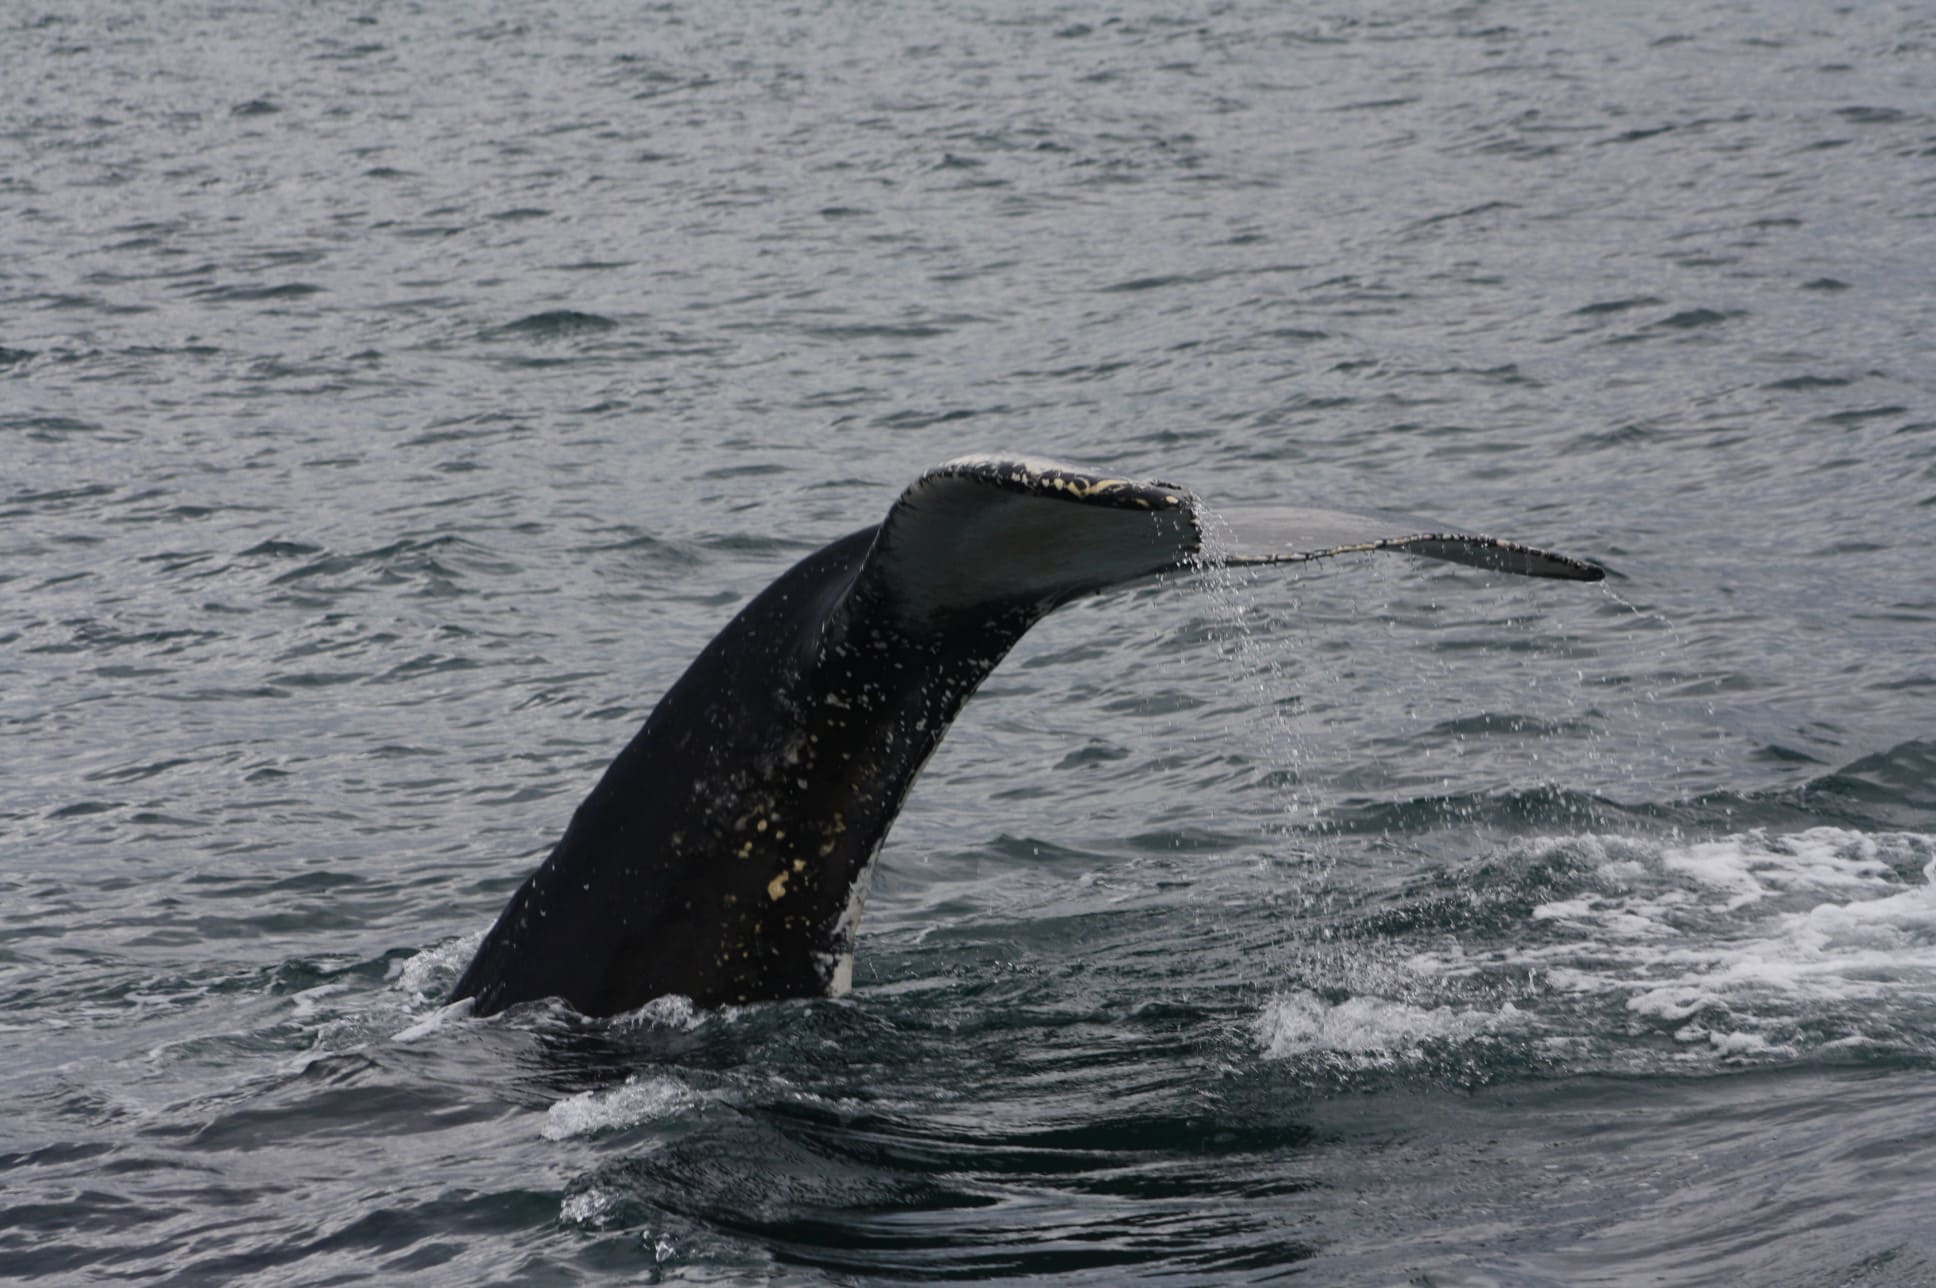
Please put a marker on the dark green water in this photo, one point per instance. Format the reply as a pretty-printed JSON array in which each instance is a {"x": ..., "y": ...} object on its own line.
[{"x": 393, "y": 400}]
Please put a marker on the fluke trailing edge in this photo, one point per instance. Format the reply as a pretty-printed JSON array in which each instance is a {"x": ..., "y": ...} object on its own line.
[{"x": 726, "y": 853}]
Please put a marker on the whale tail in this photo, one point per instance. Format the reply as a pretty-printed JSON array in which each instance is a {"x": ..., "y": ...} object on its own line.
[
  {"x": 982, "y": 530},
  {"x": 987, "y": 531},
  {"x": 1292, "y": 534},
  {"x": 725, "y": 853}
]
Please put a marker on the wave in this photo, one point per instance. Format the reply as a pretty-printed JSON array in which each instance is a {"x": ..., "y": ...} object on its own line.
[
  {"x": 554, "y": 324},
  {"x": 1886, "y": 791},
  {"x": 1621, "y": 953}
]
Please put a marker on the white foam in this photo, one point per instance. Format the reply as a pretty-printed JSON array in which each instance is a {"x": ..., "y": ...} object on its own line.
[
  {"x": 587, "y": 1207},
  {"x": 1732, "y": 1044},
  {"x": 1741, "y": 943},
  {"x": 437, "y": 1019},
  {"x": 673, "y": 1011},
  {"x": 1367, "y": 1030},
  {"x": 435, "y": 969},
  {"x": 1752, "y": 867},
  {"x": 306, "y": 1002},
  {"x": 637, "y": 1100}
]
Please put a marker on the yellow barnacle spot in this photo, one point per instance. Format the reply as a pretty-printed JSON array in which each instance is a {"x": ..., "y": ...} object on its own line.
[
  {"x": 746, "y": 850},
  {"x": 799, "y": 865},
  {"x": 760, "y": 826},
  {"x": 776, "y": 887}
]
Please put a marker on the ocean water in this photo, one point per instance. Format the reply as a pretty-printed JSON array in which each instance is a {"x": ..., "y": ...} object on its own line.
[{"x": 394, "y": 398}]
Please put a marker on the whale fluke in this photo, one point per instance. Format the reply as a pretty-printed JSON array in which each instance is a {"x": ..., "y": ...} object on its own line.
[
  {"x": 1289, "y": 534},
  {"x": 725, "y": 854}
]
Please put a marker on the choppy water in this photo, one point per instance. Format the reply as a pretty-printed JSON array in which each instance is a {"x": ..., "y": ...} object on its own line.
[{"x": 393, "y": 399}]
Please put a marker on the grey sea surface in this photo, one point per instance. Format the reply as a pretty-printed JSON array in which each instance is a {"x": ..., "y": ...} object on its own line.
[{"x": 393, "y": 399}]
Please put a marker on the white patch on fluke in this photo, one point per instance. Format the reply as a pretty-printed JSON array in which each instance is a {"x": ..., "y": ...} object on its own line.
[
  {"x": 1033, "y": 468},
  {"x": 839, "y": 962}
]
